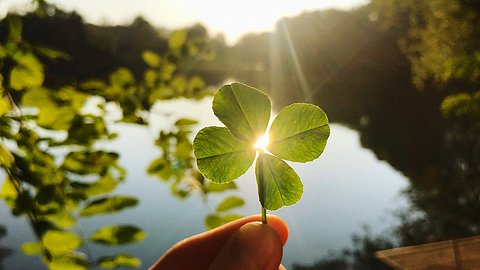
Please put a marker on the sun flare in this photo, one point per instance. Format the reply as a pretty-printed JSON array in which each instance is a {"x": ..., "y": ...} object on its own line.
[{"x": 262, "y": 143}]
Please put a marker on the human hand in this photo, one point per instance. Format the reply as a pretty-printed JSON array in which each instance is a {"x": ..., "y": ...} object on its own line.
[{"x": 241, "y": 244}]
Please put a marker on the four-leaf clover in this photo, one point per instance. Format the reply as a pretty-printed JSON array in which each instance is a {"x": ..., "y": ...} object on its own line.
[{"x": 299, "y": 133}]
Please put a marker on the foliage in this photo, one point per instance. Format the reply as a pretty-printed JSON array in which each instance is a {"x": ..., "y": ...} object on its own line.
[
  {"x": 56, "y": 171},
  {"x": 224, "y": 154},
  {"x": 441, "y": 39}
]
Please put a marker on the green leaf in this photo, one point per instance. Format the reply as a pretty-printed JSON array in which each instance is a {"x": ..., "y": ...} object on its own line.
[
  {"x": 103, "y": 185},
  {"x": 150, "y": 77},
  {"x": 85, "y": 162},
  {"x": 119, "y": 260},
  {"x": 177, "y": 39},
  {"x": 6, "y": 158},
  {"x": 185, "y": 122},
  {"x": 214, "y": 221},
  {"x": 151, "y": 58},
  {"x": 69, "y": 262},
  {"x": 14, "y": 27},
  {"x": 60, "y": 242},
  {"x": 120, "y": 234},
  {"x": 32, "y": 248},
  {"x": 51, "y": 53},
  {"x": 213, "y": 187},
  {"x": 230, "y": 203},
  {"x": 27, "y": 73},
  {"x": 299, "y": 133},
  {"x": 51, "y": 115},
  {"x": 62, "y": 219},
  {"x": 93, "y": 85},
  {"x": 4, "y": 105},
  {"x": 220, "y": 156},
  {"x": 244, "y": 110},
  {"x": 121, "y": 77},
  {"x": 161, "y": 168},
  {"x": 278, "y": 184},
  {"x": 109, "y": 205},
  {"x": 8, "y": 191},
  {"x": 56, "y": 118},
  {"x": 38, "y": 97}
]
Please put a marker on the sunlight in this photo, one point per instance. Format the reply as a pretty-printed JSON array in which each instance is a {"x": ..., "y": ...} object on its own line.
[
  {"x": 233, "y": 18},
  {"x": 262, "y": 143}
]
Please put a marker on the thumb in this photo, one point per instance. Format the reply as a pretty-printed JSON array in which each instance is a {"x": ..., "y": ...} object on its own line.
[{"x": 254, "y": 246}]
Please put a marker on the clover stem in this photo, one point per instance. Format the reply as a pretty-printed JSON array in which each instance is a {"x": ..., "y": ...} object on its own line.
[
  {"x": 261, "y": 185},
  {"x": 264, "y": 215}
]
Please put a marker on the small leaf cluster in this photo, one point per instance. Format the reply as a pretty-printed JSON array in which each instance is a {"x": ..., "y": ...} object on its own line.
[
  {"x": 299, "y": 133},
  {"x": 56, "y": 171},
  {"x": 175, "y": 165}
]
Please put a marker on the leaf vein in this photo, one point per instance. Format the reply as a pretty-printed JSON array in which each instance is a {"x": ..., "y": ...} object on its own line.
[
  {"x": 300, "y": 133},
  {"x": 243, "y": 113},
  {"x": 276, "y": 182},
  {"x": 223, "y": 154}
]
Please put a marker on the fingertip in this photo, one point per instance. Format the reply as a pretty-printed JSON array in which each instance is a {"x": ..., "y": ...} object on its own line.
[
  {"x": 253, "y": 246},
  {"x": 279, "y": 226}
]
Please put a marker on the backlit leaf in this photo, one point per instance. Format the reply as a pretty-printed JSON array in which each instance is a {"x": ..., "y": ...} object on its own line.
[
  {"x": 60, "y": 242},
  {"x": 93, "y": 85},
  {"x": 32, "y": 248},
  {"x": 230, "y": 203},
  {"x": 160, "y": 167},
  {"x": 14, "y": 27},
  {"x": 6, "y": 158},
  {"x": 299, "y": 133},
  {"x": 103, "y": 185},
  {"x": 150, "y": 77},
  {"x": 214, "y": 221},
  {"x": 85, "y": 162},
  {"x": 115, "y": 235},
  {"x": 27, "y": 73},
  {"x": 122, "y": 77},
  {"x": 109, "y": 205},
  {"x": 151, "y": 58},
  {"x": 278, "y": 183},
  {"x": 51, "y": 53},
  {"x": 62, "y": 219},
  {"x": 177, "y": 39},
  {"x": 220, "y": 156},
  {"x": 119, "y": 260},
  {"x": 56, "y": 118},
  {"x": 185, "y": 122},
  {"x": 68, "y": 262},
  {"x": 8, "y": 191},
  {"x": 244, "y": 110},
  {"x": 183, "y": 149},
  {"x": 4, "y": 105},
  {"x": 214, "y": 187}
]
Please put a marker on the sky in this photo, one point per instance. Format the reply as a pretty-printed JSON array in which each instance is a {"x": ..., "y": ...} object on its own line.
[{"x": 234, "y": 18}]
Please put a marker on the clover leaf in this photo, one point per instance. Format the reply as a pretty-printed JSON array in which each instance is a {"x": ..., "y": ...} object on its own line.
[{"x": 299, "y": 133}]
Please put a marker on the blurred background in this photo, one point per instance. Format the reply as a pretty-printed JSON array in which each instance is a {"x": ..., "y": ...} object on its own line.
[{"x": 100, "y": 101}]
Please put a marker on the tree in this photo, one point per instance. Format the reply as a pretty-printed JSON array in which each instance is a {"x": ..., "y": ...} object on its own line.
[{"x": 39, "y": 116}]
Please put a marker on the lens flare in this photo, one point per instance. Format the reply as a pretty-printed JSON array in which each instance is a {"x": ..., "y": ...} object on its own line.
[{"x": 262, "y": 143}]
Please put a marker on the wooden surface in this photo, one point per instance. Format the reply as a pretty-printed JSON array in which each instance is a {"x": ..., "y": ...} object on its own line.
[{"x": 461, "y": 254}]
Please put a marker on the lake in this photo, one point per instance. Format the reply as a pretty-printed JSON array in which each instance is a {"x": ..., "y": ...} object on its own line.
[{"x": 346, "y": 189}]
